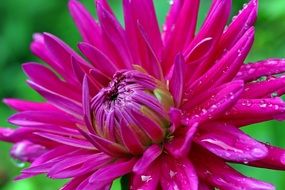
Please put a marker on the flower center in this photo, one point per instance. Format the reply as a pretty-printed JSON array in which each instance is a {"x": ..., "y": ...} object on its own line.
[{"x": 133, "y": 103}]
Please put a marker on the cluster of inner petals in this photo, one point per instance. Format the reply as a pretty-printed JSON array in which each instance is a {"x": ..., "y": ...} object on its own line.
[{"x": 131, "y": 101}]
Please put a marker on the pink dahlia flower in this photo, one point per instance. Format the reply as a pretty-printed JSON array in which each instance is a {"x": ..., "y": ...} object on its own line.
[{"x": 162, "y": 110}]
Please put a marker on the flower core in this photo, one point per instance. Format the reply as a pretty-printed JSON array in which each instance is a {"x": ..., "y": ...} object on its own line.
[{"x": 131, "y": 104}]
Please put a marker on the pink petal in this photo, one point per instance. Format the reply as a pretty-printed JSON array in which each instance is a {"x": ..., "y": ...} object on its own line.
[
  {"x": 253, "y": 71},
  {"x": 148, "y": 180},
  {"x": 249, "y": 111},
  {"x": 216, "y": 105},
  {"x": 212, "y": 27},
  {"x": 153, "y": 65},
  {"x": 98, "y": 59},
  {"x": 62, "y": 54},
  {"x": 181, "y": 144},
  {"x": 149, "y": 156},
  {"x": 44, "y": 77},
  {"x": 176, "y": 84},
  {"x": 63, "y": 103},
  {"x": 180, "y": 34},
  {"x": 152, "y": 129},
  {"x": 226, "y": 68},
  {"x": 130, "y": 139},
  {"x": 240, "y": 24},
  {"x": 230, "y": 143},
  {"x": 85, "y": 22},
  {"x": 275, "y": 159},
  {"x": 216, "y": 172},
  {"x": 67, "y": 140},
  {"x": 112, "y": 171},
  {"x": 86, "y": 106},
  {"x": 263, "y": 89},
  {"x": 144, "y": 13},
  {"x": 114, "y": 31},
  {"x": 23, "y": 105},
  {"x": 178, "y": 174},
  {"x": 42, "y": 117}
]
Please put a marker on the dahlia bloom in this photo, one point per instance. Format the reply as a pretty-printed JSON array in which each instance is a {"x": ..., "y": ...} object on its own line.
[{"x": 162, "y": 110}]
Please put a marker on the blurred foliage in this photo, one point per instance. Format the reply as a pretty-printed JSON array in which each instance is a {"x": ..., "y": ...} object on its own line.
[{"x": 19, "y": 19}]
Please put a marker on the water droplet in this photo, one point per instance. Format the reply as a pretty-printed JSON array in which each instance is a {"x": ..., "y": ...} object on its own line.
[
  {"x": 172, "y": 173},
  {"x": 239, "y": 53},
  {"x": 276, "y": 107},
  {"x": 274, "y": 94},
  {"x": 18, "y": 163},
  {"x": 250, "y": 71},
  {"x": 257, "y": 152},
  {"x": 146, "y": 178}
]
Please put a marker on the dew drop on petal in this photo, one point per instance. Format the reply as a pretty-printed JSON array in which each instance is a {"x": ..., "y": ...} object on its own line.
[
  {"x": 18, "y": 163},
  {"x": 274, "y": 94},
  {"x": 257, "y": 152},
  {"x": 146, "y": 178},
  {"x": 172, "y": 173}
]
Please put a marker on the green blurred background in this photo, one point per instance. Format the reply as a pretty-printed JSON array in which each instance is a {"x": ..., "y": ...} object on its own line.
[{"x": 19, "y": 19}]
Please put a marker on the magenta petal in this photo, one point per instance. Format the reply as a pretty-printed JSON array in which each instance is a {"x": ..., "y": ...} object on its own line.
[
  {"x": 62, "y": 54},
  {"x": 226, "y": 68},
  {"x": 177, "y": 26},
  {"x": 144, "y": 13},
  {"x": 26, "y": 151},
  {"x": 242, "y": 22},
  {"x": 23, "y": 105},
  {"x": 67, "y": 140},
  {"x": 79, "y": 164},
  {"x": 41, "y": 117},
  {"x": 178, "y": 174},
  {"x": 230, "y": 143},
  {"x": 86, "y": 106},
  {"x": 58, "y": 100},
  {"x": 86, "y": 185},
  {"x": 216, "y": 105},
  {"x": 73, "y": 183},
  {"x": 263, "y": 89},
  {"x": 217, "y": 173},
  {"x": 176, "y": 85},
  {"x": 275, "y": 159},
  {"x": 148, "y": 180},
  {"x": 249, "y": 111},
  {"x": 112, "y": 171},
  {"x": 212, "y": 27},
  {"x": 44, "y": 77},
  {"x": 115, "y": 33},
  {"x": 147, "y": 159},
  {"x": 85, "y": 22},
  {"x": 153, "y": 66},
  {"x": 109, "y": 147},
  {"x": 152, "y": 129},
  {"x": 98, "y": 59},
  {"x": 130, "y": 139},
  {"x": 253, "y": 71},
  {"x": 181, "y": 144}
]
